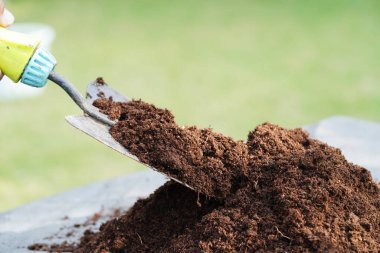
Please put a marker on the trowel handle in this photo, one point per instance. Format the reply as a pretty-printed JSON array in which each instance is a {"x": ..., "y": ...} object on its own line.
[
  {"x": 21, "y": 58},
  {"x": 16, "y": 49}
]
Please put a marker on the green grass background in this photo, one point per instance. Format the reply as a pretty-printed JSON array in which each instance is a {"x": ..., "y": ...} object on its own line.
[{"x": 229, "y": 65}]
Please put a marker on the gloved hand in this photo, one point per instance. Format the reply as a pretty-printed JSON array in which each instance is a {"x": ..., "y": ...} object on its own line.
[{"x": 6, "y": 19}]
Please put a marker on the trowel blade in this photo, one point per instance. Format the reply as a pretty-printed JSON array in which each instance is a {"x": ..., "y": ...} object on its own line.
[
  {"x": 100, "y": 131},
  {"x": 100, "y": 89},
  {"x": 97, "y": 131}
]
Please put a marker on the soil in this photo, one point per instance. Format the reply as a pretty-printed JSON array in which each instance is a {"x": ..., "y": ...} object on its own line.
[
  {"x": 63, "y": 247},
  {"x": 211, "y": 163},
  {"x": 280, "y": 191}
]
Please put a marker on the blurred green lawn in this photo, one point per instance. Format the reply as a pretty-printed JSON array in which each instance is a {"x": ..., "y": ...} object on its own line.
[{"x": 229, "y": 65}]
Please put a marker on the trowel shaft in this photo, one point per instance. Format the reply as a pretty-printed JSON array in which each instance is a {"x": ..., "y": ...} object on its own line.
[{"x": 75, "y": 95}]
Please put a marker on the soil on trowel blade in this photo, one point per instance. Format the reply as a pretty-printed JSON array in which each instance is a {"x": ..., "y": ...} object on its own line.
[
  {"x": 213, "y": 164},
  {"x": 281, "y": 191}
]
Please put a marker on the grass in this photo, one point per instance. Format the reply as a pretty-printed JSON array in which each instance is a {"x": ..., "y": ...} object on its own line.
[{"x": 229, "y": 65}]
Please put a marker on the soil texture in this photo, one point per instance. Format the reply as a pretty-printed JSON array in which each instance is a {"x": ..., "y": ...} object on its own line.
[{"x": 280, "y": 191}]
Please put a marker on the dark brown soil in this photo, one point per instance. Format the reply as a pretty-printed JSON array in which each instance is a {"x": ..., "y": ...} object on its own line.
[
  {"x": 279, "y": 192},
  {"x": 173, "y": 210},
  {"x": 59, "y": 248},
  {"x": 211, "y": 163}
]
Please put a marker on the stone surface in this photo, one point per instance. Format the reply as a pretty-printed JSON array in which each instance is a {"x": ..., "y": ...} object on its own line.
[{"x": 51, "y": 219}]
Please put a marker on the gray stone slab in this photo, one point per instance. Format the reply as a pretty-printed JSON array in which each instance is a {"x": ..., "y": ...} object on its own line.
[{"x": 50, "y": 219}]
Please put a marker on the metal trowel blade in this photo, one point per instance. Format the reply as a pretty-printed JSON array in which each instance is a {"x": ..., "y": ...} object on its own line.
[{"x": 99, "y": 131}]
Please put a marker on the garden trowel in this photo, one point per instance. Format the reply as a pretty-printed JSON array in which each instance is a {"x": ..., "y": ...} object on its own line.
[{"x": 22, "y": 59}]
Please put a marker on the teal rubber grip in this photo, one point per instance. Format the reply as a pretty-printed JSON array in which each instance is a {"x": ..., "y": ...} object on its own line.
[{"x": 40, "y": 66}]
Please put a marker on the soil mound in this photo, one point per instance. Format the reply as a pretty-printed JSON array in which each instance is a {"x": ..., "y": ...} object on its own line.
[{"x": 279, "y": 192}]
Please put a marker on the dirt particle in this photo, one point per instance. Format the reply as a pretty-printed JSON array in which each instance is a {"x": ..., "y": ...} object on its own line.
[{"x": 100, "y": 81}]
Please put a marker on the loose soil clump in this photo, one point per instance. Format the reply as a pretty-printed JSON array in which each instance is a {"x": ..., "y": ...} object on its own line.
[
  {"x": 281, "y": 191},
  {"x": 213, "y": 164}
]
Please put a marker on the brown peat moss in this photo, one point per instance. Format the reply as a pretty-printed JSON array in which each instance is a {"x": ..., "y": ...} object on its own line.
[{"x": 280, "y": 191}]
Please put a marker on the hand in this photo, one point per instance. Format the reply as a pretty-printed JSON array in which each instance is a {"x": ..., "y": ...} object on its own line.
[{"x": 6, "y": 19}]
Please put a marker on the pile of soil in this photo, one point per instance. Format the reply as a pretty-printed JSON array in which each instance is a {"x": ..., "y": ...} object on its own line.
[{"x": 279, "y": 192}]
